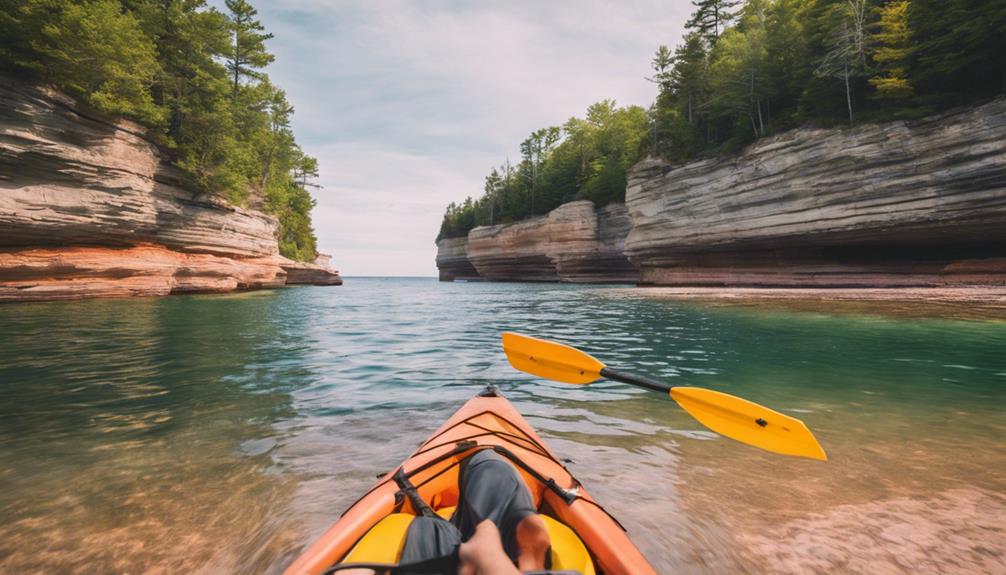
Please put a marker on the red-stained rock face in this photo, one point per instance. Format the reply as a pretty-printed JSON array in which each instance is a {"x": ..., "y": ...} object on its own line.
[
  {"x": 91, "y": 208},
  {"x": 37, "y": 274}
]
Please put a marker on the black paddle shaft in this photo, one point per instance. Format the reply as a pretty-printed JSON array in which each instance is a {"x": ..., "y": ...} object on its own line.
[{"x": 636, "y": 380}]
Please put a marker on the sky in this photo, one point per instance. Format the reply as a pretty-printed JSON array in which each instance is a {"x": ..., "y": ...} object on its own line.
[{"x": 408, "y": 104}]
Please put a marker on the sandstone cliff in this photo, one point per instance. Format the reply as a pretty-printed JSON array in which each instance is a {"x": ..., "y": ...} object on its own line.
[
  {"x": 919, "y": 203},
  {"x": 90, "y": 208},
  {"x": 574, "y": 243},
  {"x": 452, "y": 260}
]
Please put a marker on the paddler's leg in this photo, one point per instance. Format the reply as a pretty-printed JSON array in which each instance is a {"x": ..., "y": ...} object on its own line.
[{"x": 490, "y": 488}]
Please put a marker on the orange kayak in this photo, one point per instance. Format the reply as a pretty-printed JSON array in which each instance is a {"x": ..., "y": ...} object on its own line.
[{"x": 584, "y": 537}]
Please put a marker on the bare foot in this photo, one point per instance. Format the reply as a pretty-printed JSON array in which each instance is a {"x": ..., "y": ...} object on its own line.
[
  {"x": 532, "y": 543},
  {"x": 483, "y": 553}
]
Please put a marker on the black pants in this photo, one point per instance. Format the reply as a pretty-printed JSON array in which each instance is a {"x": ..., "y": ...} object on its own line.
[{"x": 489, "y": 488}]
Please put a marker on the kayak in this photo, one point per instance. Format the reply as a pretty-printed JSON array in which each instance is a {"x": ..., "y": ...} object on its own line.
[{"x": 584, "y": 537}]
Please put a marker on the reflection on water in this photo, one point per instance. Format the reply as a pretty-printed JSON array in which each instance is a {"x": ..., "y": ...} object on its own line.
[{"x": 220, "y": 434}]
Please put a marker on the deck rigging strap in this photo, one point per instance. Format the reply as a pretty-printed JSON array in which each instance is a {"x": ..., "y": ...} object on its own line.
[{"x": 409, "y": 490}]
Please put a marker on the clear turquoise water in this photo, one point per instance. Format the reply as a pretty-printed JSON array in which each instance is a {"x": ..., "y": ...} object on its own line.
[{"x": 222, "y": 433}]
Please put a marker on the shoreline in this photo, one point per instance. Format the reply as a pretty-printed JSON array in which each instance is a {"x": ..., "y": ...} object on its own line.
[{"x": 965, "y": 302}]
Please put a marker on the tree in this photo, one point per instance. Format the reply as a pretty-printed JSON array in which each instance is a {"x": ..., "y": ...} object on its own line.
[
  {"x": 661, "y": 64},
  {"x": 189, "y": 38},
  {"x": 689, "y": 79},
  {"x": 959, "y": 47},
  {"x": 790, "y": 58},
  {"x": 893, "y": 41},
  {"x": 492, "y": 186},
  {"x": 247, "y": 54},
  {"x": 846, "y": 57},
  {"x": 94, "y": 51},
  {"x": 586, "y": 159},
  {"x": 711, "y": 17},
  {"x": 739, "y": 72}
]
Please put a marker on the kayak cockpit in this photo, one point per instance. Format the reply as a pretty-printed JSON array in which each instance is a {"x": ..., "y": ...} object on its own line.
[{"x": 583, "y": 536}]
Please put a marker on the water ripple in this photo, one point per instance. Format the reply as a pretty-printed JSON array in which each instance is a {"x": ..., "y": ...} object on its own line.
[{"x": 220, "y": 434}]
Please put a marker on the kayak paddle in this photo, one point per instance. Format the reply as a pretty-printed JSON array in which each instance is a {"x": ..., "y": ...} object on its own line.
[{"x": 723, "y": 413}]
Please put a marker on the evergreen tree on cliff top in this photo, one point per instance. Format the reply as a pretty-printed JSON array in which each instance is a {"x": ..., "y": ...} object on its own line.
[
  {"x": 248, "y": 53},
  {"x": 711, "y": 17}
]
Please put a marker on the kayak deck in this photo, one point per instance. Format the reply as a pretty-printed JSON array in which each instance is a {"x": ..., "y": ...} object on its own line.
[{"x": 584, "y": 536}]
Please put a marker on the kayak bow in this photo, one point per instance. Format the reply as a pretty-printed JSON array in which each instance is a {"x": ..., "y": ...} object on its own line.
[{"x": 584, "y": 536}]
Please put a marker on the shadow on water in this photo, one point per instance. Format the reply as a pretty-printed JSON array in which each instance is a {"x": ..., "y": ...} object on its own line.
[{"x": 222, "y": 434}]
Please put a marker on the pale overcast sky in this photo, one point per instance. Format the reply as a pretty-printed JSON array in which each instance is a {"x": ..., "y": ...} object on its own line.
[{"x": 407, "y": 104}]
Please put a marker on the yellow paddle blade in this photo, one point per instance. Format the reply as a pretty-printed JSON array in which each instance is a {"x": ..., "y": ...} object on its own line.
[
  {"x": 550, "y": 360},
  {"x": 749, "y": 422}
]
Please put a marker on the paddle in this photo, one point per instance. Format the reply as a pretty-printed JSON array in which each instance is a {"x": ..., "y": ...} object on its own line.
[{"x": 725, "y": 414}]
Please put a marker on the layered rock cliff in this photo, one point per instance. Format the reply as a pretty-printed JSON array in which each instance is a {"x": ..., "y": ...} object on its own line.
[
  {"x": 89, "y": 207},
  {"x": 452, "y": 260},
  {"x": 919, "y": 203},
  {"x": 574, "y": 243}
]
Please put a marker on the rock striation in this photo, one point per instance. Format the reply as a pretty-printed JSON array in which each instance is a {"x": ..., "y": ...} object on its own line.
[
  {"x": 91, "y": 208},
  {"x": 903, "y": 204},
  {"x": 319, "y": 272},
  {"x": 452, "y": 260},
  {"x": 920, "y": 203},
  {"x": 573, "y": 243}
]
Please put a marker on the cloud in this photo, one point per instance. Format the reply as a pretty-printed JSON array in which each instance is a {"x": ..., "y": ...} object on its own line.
[{"x": 407, "y": 104}]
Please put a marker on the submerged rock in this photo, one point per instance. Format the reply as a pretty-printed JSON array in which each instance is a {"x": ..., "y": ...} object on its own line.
[{"x": 90, "y": 208}]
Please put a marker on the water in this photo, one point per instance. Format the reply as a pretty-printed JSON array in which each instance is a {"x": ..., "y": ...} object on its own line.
[{"x": 222, "y": 433}]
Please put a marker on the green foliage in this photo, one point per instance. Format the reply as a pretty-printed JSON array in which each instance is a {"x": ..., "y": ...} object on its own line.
[
  {"x": 783, "y": 63},
  {"x": 94, "y": 49},
  {"x": 159, "y": 62},
  {"x": 958, "y": 49},
  {"x": 891, "y": 57},
  {"x": 587, "y": 158},
  {"x": 711, "y": 17},
  {"x": 247, "y": 53}
]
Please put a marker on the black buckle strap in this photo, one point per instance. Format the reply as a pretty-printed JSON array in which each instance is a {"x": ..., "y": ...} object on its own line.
[{"x": 409, "y": 490}]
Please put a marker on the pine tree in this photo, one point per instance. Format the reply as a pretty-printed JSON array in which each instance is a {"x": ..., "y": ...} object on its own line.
[
  {"x": 959, "y": 47},
  {"x": 893, "y": 41},
  {"x": 711, "y": 17},
  {"x": 661, "y": 65},
  {"x": 247, "y": 54},
  {"x": 689, "y": 77}
]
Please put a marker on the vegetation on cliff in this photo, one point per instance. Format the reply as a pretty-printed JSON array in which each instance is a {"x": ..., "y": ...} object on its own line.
[
  {"x": 745, "y": 70},
  {"x": 586, "y": 158},
  {"x": 749, "y": 69},
  {"x": 189, "y": 72}
]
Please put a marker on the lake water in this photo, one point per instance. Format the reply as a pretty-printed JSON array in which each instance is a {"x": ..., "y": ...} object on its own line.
[{"x": 223, "y": 433}]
